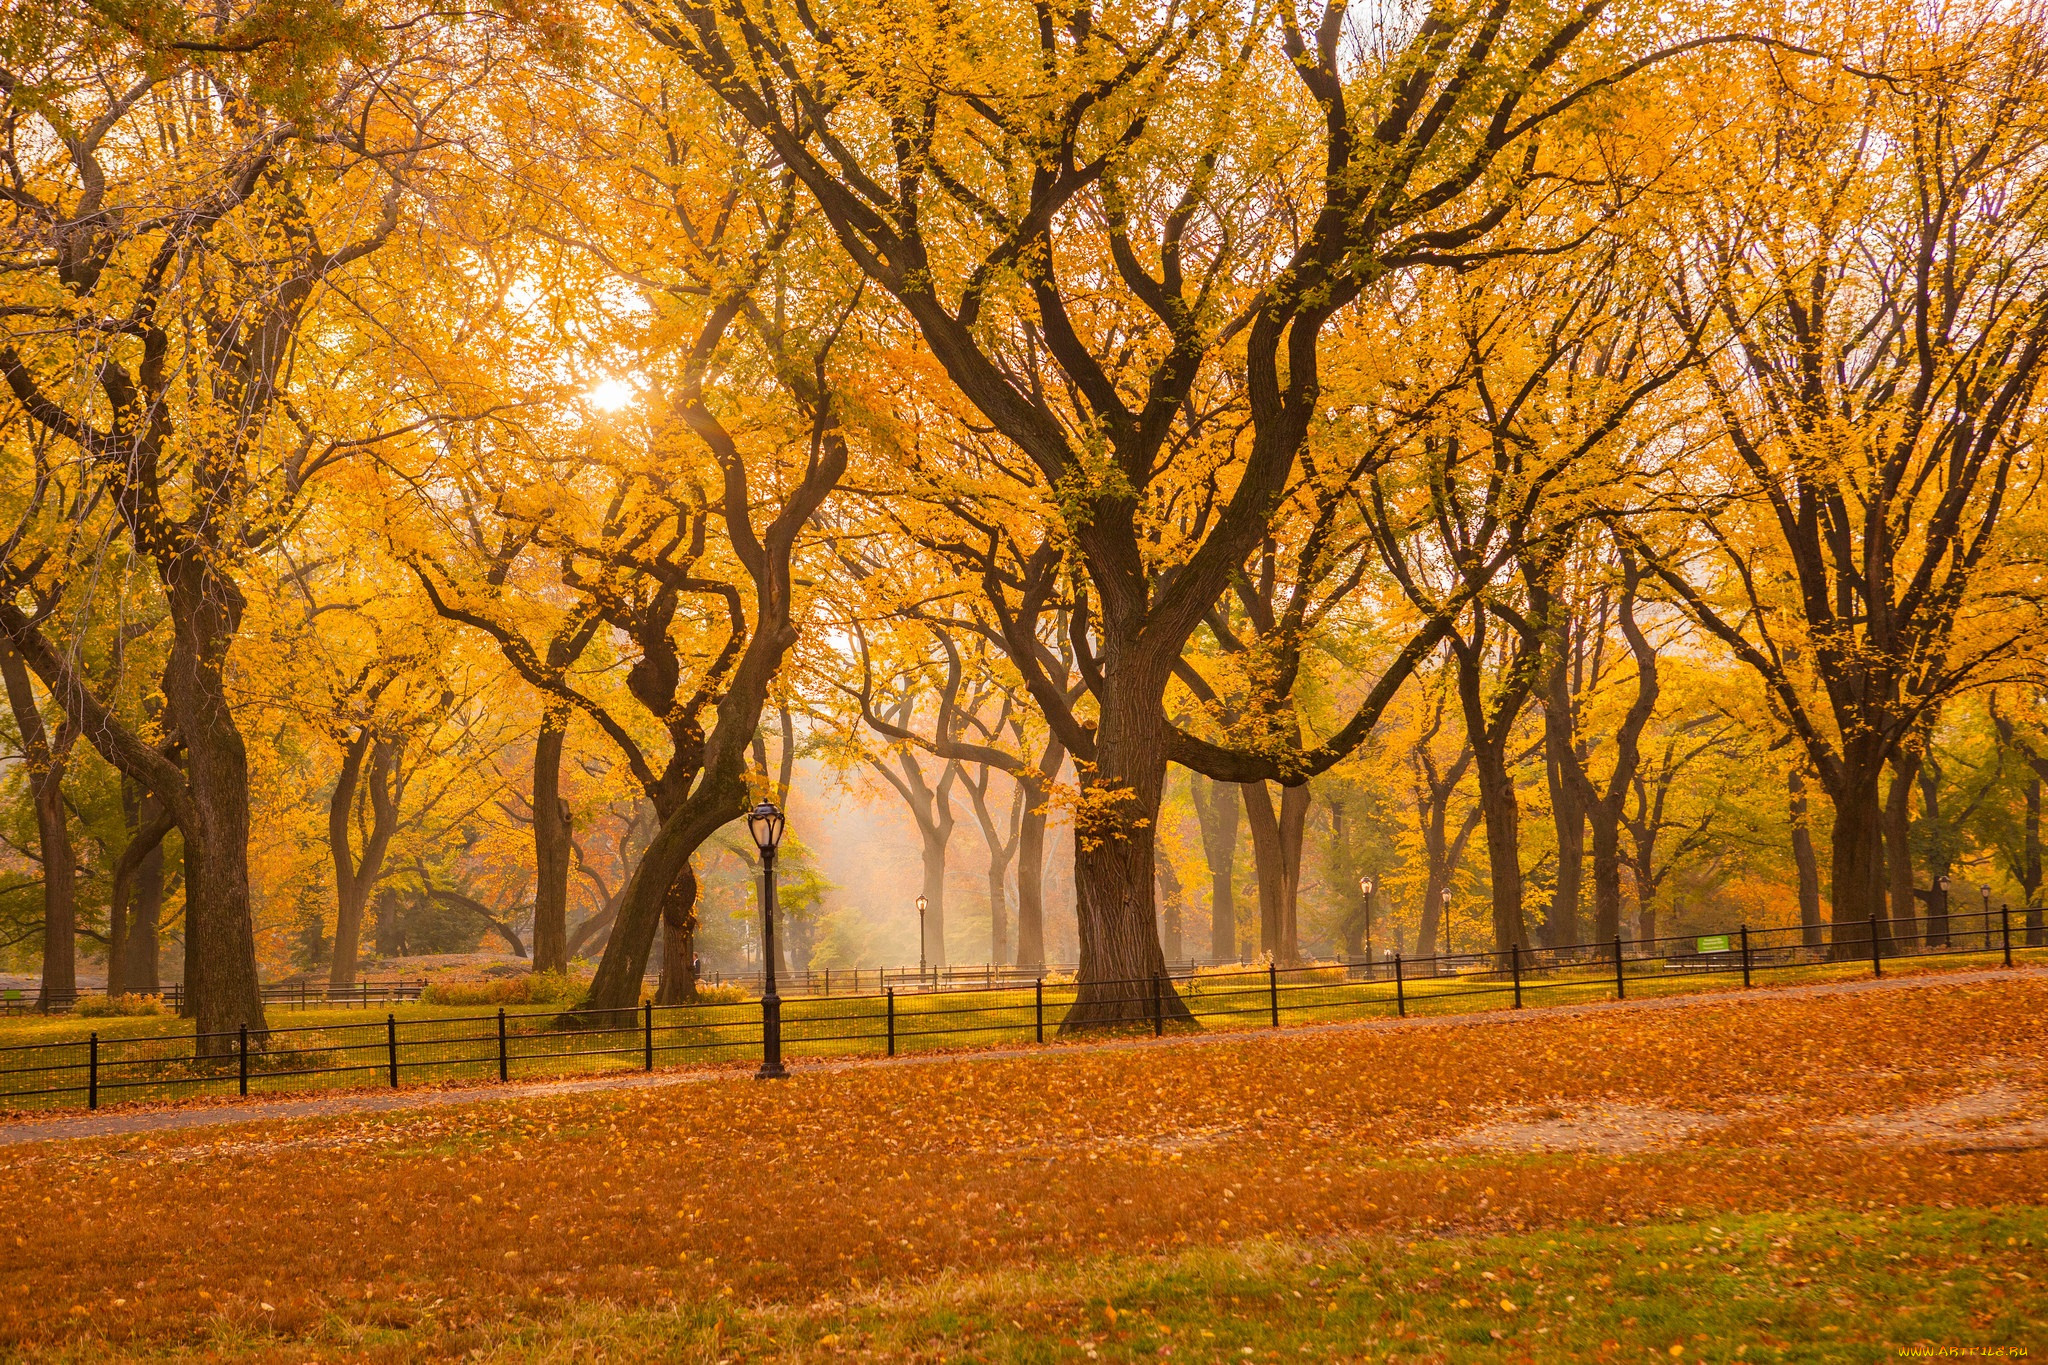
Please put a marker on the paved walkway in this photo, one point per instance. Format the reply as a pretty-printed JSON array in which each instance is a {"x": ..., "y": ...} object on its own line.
[{"x": 130, "y": 1122}]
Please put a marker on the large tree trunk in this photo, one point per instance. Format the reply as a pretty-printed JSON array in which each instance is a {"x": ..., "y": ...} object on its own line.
[
  {"x": 1443, "y": 854},
  {"x": 1568, "y": 812},
  {"x": 145, "y": 949},
  {"x": 2030, "y": 860},
  {"x": 1898, "y": 849},
  {"x": 1294, "y": 803},
  {"x": 60, "y": 874},
  {"x": 1855, "y": 865},
  {"x": 998, "y": 908},
  {"x": 932, "y": 887},
  {"x": 552, "y": 830},
  {"x": 46, "y": 758},
  {"x": 1031, "y": 885},
  {"x": 1267, "y": 863},
  {"x": 137, "y": 897},
  {"x": 221, "y": 990},
  {"x": 1606, "y": 872},
  {"x": 1170, "y": 907},
  {"x": 678, "y": 985},
  {"x": 1503, "y": 817},
  {"x": 1435, "y": 842},
  {"x": 1217, "y": 813},
  {"x": 1031, "y": 857},
  {"x": 1489, "y": 735},
  {"x": 390, "y": 925},
  {"x": 1811, "y": 932},
  {"x": 1276, "y": 856},
  {"x": 355, "y": 878},
  {"x": 1113, "y": 853}
]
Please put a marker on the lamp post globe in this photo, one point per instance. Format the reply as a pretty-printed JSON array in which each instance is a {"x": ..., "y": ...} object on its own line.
[{"x": 765, "y": 824}]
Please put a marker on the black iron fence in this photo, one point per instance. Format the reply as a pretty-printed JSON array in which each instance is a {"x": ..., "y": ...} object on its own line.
[
  {"x": 288, "y": 994},
  {"x": 127, "y": 1063}
]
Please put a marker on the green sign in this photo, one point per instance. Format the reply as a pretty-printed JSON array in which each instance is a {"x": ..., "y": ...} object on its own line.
[{"x": 1714, "y": 943}]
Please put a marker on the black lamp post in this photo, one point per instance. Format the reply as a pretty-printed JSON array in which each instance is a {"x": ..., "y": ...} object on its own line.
[
  {"x": 1365, "y": 885},
  {"x": 764, "y": 822},
  {"x": 1447, "y": 918},
  {"x": 920, "y": 940}
]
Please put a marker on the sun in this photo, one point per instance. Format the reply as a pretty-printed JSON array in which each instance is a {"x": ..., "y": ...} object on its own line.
[{"x": 610, "y": 395}]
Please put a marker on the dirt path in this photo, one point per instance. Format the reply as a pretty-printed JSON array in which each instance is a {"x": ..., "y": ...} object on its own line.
[{"x": 173, "y": 1118}]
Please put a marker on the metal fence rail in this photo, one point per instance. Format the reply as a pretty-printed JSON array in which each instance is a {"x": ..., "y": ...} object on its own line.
[
  {"x": 292, "y": 995},
  {"x": 506, "y": 1045}
]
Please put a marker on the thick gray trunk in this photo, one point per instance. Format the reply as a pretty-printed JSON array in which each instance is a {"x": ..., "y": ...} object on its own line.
[
  {"x": 1811, "y": 926},
  {"x": 221, "y": 990},
  {"x": 1217, "y": 813},
  {"x": 1898, "y": 849},
  {"x": 678, "y": 985},
  {"x": 1114, "y": 831},
  {"x": 46, "y": 757},
  {"x": 552, "y": 830}
]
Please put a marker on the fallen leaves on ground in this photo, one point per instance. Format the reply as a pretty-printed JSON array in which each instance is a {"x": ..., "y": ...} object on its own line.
[{"x": 444, "y": 1221}]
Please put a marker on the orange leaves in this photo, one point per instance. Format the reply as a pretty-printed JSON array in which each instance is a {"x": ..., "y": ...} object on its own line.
[{"x": 881, "y": 1176}]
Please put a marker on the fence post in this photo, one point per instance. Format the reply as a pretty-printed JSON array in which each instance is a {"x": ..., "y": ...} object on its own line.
[
  {"x": 391, "y": 1046},
  {"x": 1273, "y": 991},
  {"x": 366, "y": 993},
  {"x": 890, "y": 994},
  {"x": 1515, "y": 963},
  {"x": 1158, "y": 1011},
  {"x": 92, "y": 1072},
  {"x": 504, "y": 1067},
  {"x": 1038, "y": 995},
  {"x": 2005, "y": 931},
  {"x": 1876, "y": 962},
  {"x": 1745, "y": 957},
  {"x": 243, "y": 1058},
  {"x": 1620, "y": 982},
  {"x": 648, "y": 1038}
]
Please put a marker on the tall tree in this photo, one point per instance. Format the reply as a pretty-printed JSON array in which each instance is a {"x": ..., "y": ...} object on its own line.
[
  {"x": 1092, "y": 161},
  {"x": 195, "y": 182},
  {"x": 1880, "y": 341}
]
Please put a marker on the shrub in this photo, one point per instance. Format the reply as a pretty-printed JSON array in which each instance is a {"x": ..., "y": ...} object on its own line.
[
  {"x": 119, "y": 1006},
  {"x": 534, "y": 988},
  {"x": 723, "y": 993}
]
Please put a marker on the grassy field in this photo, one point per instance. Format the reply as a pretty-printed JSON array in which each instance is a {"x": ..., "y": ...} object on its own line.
[
  {"x": 1853, "y": 1177},
  {"x": 149, "y": 1059}
]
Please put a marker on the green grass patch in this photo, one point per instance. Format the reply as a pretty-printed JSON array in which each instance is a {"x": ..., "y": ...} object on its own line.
[{"x": 1816, "y": 1285}]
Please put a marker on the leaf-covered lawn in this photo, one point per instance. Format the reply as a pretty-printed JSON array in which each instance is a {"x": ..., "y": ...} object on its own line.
[{"x": 877, "y": 1207}]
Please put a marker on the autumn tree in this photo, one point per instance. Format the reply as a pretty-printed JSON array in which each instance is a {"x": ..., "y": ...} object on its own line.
[
  {"x": 1877, "y": 343},
  {"x": 1112, "y": 210}
]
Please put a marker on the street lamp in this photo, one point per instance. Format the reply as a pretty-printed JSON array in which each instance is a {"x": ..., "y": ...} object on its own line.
[
  {"x": 920, "y": 939},
  {"x": 1446, "y": 898},
  {"x": 765, "y": 822},
  {"x": 1366, "y": 887}
]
